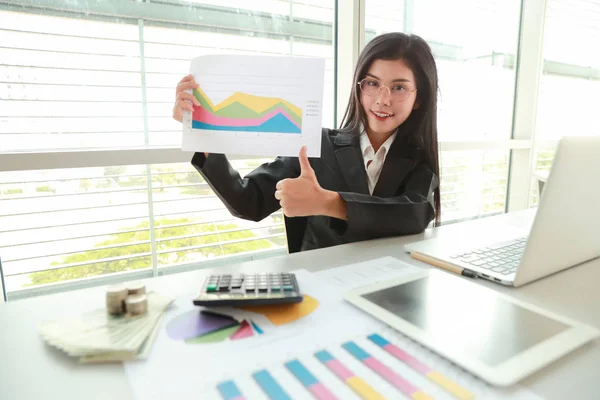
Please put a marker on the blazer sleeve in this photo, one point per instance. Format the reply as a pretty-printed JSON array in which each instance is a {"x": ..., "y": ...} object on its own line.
[
  {"x": 251, "y": 197},
  {"x": 409, "y": 213}
]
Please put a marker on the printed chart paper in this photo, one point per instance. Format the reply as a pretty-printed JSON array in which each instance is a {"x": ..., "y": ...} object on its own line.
[
  {"x": 332, "y": 351},
  {"x": 255, "y": 105}
]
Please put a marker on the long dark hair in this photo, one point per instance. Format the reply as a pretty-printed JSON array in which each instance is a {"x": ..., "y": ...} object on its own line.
[{"x": 421, "y": 126}]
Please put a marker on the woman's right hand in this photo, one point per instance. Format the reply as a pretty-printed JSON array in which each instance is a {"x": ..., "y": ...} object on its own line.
[{"x": 184, "y": 100}]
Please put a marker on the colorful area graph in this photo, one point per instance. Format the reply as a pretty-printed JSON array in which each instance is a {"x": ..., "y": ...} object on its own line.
[
  {"x": 321, "y": 387},
  {"x": 248, "y": 113}
]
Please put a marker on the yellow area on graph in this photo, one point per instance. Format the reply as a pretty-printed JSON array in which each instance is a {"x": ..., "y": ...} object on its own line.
[
  {"x": 256, "y": 103},
  {"x": 286, "y": 313}
]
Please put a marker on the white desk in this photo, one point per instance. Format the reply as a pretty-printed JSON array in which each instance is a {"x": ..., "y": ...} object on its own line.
[{"x": 31, "y": 370}]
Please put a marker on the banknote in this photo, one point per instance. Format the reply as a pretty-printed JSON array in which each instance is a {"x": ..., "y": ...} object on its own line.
[{"x": 98, "y": 336}]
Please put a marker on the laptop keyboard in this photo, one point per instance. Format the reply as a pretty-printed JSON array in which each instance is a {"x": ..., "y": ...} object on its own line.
[{"x": 502, "y": 257}]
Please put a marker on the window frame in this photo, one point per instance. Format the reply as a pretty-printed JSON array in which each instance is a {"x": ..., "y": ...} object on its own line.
[{"x": 348, "y": 36}]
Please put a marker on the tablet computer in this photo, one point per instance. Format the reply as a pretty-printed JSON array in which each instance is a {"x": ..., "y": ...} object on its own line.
[{"x": 495, "y": 337}]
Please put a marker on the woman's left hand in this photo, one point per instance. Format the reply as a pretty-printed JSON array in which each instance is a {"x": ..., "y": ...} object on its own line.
[{"x": 302, "y": 196}]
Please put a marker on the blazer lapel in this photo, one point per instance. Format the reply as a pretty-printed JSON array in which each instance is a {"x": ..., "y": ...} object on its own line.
[
  {"x": 351, "y": 162},
  {"x": 398, "y": 163}
]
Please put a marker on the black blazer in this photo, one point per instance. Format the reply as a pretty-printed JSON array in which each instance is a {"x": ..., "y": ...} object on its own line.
[{"x": 401, "y": 204}]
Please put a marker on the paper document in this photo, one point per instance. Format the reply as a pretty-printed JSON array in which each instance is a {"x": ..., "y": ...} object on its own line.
[
  {"x": 366, "y": 273},
  {"x": 215, "y": 355},
  {"x": 255, "y": 105},
  {"x": 331, "y": 350}
]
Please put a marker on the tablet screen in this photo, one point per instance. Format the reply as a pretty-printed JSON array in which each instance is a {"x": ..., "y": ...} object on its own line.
[{"x": 478, "y": 322}]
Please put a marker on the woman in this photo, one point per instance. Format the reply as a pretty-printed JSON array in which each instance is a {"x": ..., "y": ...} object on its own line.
[{"x": 377, "y": 175}]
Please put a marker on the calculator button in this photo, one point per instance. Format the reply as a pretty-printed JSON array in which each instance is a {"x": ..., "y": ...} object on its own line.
[
  {"x": 288, "y": 288},
  {"x": 262, "y": 289},
  {"x": 211, "y": 288},
  {"x": 250, "y": 289}
]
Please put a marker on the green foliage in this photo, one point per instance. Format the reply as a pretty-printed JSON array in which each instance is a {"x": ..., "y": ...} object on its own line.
[
  {"x": 45, "y": 189},
  {"x": 211, "y": 234},
  {"x": 13, "y": 191},
  {"x": 115, "y": 170},
  {"x": 544, "y": 159}
]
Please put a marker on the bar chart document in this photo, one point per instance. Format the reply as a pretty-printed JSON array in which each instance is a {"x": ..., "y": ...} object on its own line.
[
  {"x": 255, "y": 105},
  {"x": 329, "y": 350}
]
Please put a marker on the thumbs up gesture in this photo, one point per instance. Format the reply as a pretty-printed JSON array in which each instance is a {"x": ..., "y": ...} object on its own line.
[{"x": 302, "y": 196}]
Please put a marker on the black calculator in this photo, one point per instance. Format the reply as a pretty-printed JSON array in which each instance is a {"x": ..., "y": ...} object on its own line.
[{"x": 249, "y": 290}]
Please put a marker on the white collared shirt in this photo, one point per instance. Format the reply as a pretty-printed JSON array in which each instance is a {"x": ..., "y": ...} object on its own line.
[{"x": 374, "y": 161}]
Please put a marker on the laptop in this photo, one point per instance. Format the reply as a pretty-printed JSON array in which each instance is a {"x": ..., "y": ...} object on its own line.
[{"x": 565, "y": 230}]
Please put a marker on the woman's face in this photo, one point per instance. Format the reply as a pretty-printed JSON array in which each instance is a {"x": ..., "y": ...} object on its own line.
[{"x": 387, "y": 109}]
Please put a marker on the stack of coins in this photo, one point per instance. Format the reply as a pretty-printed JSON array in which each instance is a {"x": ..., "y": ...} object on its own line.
[
  {"x": 135, "y": 288},
  {"x": 115, "y": 299},
  {"x": 136, "y": 304},
  {"x": 129, "y": 298}
]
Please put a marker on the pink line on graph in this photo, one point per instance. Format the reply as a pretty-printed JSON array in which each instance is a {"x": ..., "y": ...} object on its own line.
[
  {"x": 321, "y": 392},
  {"x": 390, "y": 376},
  {"x": 339, "y": 369},
  {"x": 201, "y": 114},
  {"x": 407, "y": 359}
]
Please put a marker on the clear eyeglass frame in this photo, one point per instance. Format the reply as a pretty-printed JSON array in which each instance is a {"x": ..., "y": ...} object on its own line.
[{"x": 395, "y": 98}]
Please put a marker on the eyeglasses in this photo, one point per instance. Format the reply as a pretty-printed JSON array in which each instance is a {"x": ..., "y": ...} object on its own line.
[{"x": 371, "y": 88}]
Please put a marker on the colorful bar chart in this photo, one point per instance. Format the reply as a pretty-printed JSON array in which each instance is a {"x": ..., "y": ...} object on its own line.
[
  {"x": 358, "y": 385},
  {"x": 385, "y": 372},
  {"x": 270, "y": 386},
  {"x": 448, "y": 385},
  {"x": 230, "y": 391},
  {"x": 318, "y": 390},
  {"x": 356, "y": 368}
]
